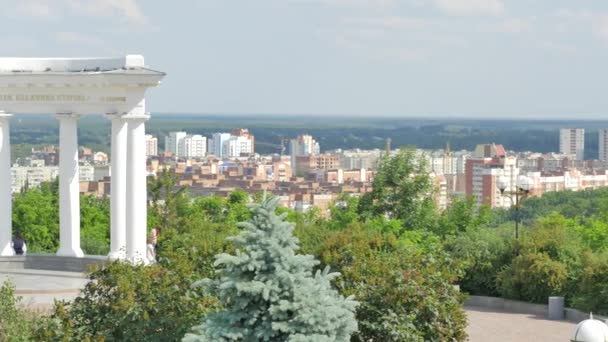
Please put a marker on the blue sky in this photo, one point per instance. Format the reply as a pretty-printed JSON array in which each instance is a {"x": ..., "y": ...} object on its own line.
[{"x": 449, "y": 58}]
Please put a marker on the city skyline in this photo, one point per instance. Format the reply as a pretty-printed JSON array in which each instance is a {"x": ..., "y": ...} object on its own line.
[{"x": 414, "y": 58}]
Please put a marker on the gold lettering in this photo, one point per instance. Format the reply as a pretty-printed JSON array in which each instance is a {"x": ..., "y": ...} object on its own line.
[{"x": 67, "y": 98}]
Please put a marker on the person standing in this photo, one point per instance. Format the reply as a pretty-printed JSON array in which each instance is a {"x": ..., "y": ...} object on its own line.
[
  {"x": 151, "y": 246},
  {"x": 18, "y": 244}
]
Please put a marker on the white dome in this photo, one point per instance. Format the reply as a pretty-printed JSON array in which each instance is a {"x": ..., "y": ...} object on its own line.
[{"x": 590, "y": 330}]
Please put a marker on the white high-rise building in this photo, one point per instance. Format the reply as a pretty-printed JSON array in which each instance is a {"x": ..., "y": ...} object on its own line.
[
  {"x": 303, "y": 145},
  {"x": 572, "y": 141},
  {"x": 603, "y": 144},
  {"x": 237, "y": 146},
  {"x": 216, "y": 144},
  {"x": 174, "y": 143},
  {"x": 151, "y": 145},
  {"x": 195, "y": 146}
]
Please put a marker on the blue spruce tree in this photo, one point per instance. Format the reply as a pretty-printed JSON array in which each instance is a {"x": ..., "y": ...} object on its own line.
[{"x": 270, "y": 293}]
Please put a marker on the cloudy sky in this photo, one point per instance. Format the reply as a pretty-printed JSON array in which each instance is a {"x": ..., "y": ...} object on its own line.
[{"x": 483, "y": 58}]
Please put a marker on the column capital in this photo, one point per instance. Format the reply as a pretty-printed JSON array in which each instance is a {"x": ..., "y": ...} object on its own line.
[
  {"x": 136, "y": 117},
  {"x": 127, "y": 116},
  {"x": 5, "y": 115},
  {"x": 72, "y": 116}
]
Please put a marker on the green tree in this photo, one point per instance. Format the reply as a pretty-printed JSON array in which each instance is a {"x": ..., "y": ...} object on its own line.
[
  {"x": 270, "y": 293},
  {"x": 483, "y": 253},
  {"x": 547, "y": 262},
  {"x": 462, "y": 215},
  {"x": 406, "y": 292},
  {"x": 36, "y": 217},
  {"x": 343, "y": 211},
  {"x": 95, "y": 225},
  {"x": 170, "y": 202},
  {"x": 402, "y": 189}
]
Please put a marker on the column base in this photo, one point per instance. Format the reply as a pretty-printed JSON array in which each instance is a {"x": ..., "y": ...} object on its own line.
[
  {"x": 70, "y": 252},
  {"x": 139, "y": 260},
  {"x": 7, "y": 250},
  {"x": 117, "y": 255}
]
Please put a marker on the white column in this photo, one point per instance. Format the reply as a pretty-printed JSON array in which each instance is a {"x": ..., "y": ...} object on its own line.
[
  {"x": 137, "y": 193},
  {"x": 6, "y": 197},
  {"x": 69, "y": 187},
  {"x": 118, "y": 198}
]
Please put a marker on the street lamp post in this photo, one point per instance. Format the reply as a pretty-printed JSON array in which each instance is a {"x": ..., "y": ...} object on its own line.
[{"x": 522, "y": 190}]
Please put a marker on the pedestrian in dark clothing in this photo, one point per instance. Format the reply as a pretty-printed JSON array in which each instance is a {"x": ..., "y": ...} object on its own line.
[{"x": 18, "y": 245}]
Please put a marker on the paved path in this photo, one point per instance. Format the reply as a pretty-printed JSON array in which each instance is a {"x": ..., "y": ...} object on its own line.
[
  {"x": 490, "y": 325},
  {"x": 38, "y": 289}
]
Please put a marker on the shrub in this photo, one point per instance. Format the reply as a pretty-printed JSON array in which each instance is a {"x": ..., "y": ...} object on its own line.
[
  {"x": 125, "y": 302},
  {"x": 406, "y": 294},
  {"x": 592, "y": 290},
  {"x": 14, "y": 325},
  {"x": 483, "y": 253},
  {"x": 547, "y": 262}
]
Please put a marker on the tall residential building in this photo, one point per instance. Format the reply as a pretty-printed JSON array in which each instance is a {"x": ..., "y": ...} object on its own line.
[
  {"x": 151, "y": 145},
  {"x": 195, "y": 146},
  {"x": 572, "y": 142},
  {"x": 603, "y": 144},
  {"x": 244, "y": 132},
  {"x": 237, "y": 146},
  {"x": 482, "y": 170},
  {"x": 303, "y": 145},
  {"x": 174, "y": 143},
  {"x": 216, "y": 144},
  {"x": 311, "y": 162}
]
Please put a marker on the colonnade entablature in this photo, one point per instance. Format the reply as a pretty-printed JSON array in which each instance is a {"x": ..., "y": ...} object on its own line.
[{"x": 69, "y": 88}]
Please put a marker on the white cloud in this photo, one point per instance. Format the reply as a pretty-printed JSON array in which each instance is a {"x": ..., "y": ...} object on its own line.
[
  {"x": 511, "y": 25},
  {"x": 389, "y": 22},
  {"x": 71, "y": 37},
  {"x": 465, "y": 7},
  {"x": 356, "y": 3},
  {"x": 127, "y": 8},
  {"x": 601, "y": 26},
  {"x": 569, "y": 20},
  {"x": 37, "y": 9},
  {"x": 59, "y": 9}
]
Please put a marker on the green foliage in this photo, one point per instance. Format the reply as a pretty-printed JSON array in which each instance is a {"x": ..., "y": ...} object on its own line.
[
  {"x": 594, "y": 233},
  {"x": 462, "y": 215},
  {"x": 592, "y": 291},
  {"x": 15, "y": 326},
  {"x": 547, "y": 262},
  {"x": 36, "y": 217},
  {"x": 228, "y": 211},
  {"x": 191, "y": 249},
  {"x": 170, "y": 202},
  {"x": 402, "y": 189},
  {"x": 95, "y": 225},
  {"x": 570, "y": 204},
  {"x": 125, "y": 302},
  {"x": 483, "y": 253},
  {"x": 270, "y": 293},
  {"x": 406, "y": 294},
  {"x": 343, "y": 211}
]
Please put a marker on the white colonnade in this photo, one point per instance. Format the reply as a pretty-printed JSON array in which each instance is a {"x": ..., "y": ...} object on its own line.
[
  {"x": 72, "y": 87},
  {"x": 5, "y": 186}
]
